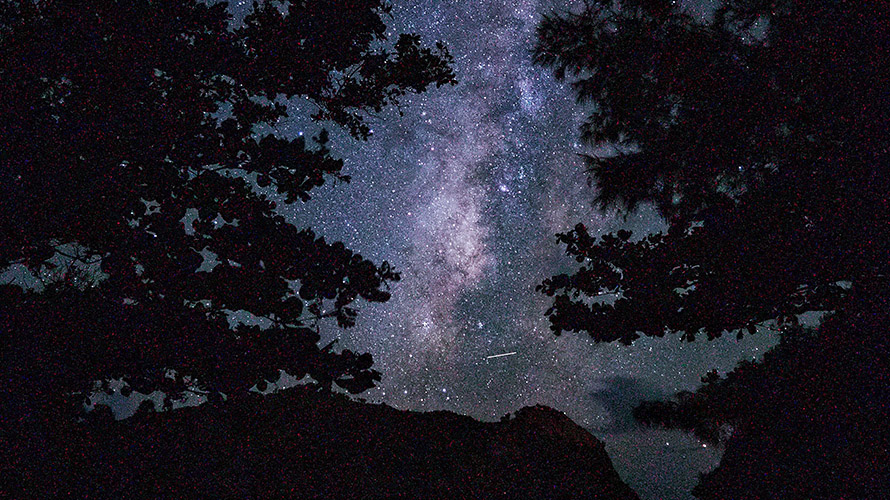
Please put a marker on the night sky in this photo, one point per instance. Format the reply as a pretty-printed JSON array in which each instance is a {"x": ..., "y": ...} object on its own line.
[{"x": 464, "y": 195}]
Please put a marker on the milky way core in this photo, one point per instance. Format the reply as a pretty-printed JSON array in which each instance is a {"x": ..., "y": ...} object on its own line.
[{"x": 464, "y": 194}]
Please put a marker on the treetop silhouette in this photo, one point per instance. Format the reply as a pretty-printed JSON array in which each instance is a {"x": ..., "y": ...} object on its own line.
[
  {"x": 129, "y": 136},
  {"x": 760, "y": 136}
]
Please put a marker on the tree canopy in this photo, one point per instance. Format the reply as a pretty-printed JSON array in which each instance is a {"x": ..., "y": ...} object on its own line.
[
  {"x": 135, "y": 184},
  {"x": 759, "y": 135}
]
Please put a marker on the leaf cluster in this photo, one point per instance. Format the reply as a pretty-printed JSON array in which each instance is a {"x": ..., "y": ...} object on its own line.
[
  {"x": 129, "y": 132},
  {"x": 763, "y": 148}
]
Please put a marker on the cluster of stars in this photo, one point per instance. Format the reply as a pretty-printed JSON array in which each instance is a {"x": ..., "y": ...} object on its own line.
[{"x": 463, "y": 195}]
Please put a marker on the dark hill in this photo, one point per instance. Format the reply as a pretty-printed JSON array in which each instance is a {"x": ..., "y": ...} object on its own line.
[{"x": 305, "y": 444}]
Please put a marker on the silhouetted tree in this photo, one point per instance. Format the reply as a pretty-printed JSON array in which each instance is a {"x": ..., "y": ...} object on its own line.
[
  {"x": 808, "y": 421},
  {"x": 133, "y": 182},
  {"x": 724, "y": 403},
  {"x": 760, "y": 136}
]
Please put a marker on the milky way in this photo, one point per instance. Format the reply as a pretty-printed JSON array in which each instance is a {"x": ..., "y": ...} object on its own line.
[{"x": 464, "y": 194}]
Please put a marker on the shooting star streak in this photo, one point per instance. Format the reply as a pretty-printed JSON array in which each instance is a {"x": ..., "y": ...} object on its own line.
[{"x": 500, "y": 355}]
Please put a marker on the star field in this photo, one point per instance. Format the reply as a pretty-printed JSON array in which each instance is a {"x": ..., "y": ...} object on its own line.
[{"x": 463, "y": 195}]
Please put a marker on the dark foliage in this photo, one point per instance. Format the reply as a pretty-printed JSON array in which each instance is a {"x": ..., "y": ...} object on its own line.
[
  {"x": 768, "y": 157},
  {"x": 724, "y": 403},
  {"x": 129, "y": 159},
  {"x": 761, "y": 137},
  {"x": 304, "y": 444},
  {"x": 809, "y": 421}
]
